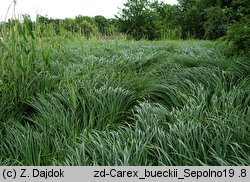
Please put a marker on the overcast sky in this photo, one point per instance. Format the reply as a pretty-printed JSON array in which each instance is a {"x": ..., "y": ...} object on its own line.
[{"x": 64, "y": 8}]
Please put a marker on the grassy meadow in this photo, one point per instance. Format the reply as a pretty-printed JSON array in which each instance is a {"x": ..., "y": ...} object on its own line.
[{"x": 65, "y": 100}]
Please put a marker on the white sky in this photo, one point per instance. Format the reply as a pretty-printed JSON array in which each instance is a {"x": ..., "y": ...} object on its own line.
[{"x": 64, "y": 8}]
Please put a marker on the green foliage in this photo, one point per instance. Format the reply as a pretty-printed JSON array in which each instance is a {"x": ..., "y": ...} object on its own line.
[
  {"x": 69, "y": 24},
  {"x": 168, "y": 22},
  {"x": 102, "y": 24},
  {"x": 138, "y": 20},
  {"x": 68, "y": 101},
  {"x": 239, "y": 36},
  {"x": 216, "y": 24},
  {"x": 154, "y": 20},
  {"x": 210, "y": 19},
  {"x": 235, "y": 10},
  {"x": 191, "y": 21},
  {"x": 82, "y": 25}
]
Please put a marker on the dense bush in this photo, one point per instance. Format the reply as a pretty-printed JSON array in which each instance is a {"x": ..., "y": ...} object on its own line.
[
  {"x": 216, "y": 23},
  {"x": 239, "y": 36},
  {"x": 138, "y": 20}
]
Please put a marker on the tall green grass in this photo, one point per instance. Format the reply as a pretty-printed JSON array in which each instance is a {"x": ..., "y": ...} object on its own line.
[{"x": 66, "y": 100}]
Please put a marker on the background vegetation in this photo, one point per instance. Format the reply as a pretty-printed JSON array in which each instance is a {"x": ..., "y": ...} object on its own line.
[
  {"x": 156, "y": 20},
  {"x": 75, "y": 92}
]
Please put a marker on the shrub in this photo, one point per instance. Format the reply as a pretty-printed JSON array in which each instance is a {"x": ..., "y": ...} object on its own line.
[
  {"x": 216, "y": 24},
  {"x": 239, "y": 36}
]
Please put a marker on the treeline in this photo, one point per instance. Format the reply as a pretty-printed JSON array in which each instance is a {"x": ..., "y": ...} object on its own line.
[
  {"x": 198, "y": 19},
  {"x": 87, "y": 26},
  {"x": 154, "y": 20},
  {"x": 84, "y": 25}
]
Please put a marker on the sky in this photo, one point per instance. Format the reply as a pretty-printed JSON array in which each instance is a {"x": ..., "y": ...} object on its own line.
[{"x": 64, "y": 8}]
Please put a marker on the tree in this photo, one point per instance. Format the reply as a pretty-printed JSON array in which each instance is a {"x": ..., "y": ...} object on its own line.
[
  {"x": 238, "y": 35},
  {"x": 139, "y": 21},
  {"x": 85, "y": 25},
  {"x": 102, "y": 24},
  {"x": 216, "y": 24},
  {"x": 87, "y": 29},
  {"x": 168, "y": 14},
  {"x": 203, "y": 18},
  {"x": 191, "y": 22},
  {"x": 70, "y": 25}
]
